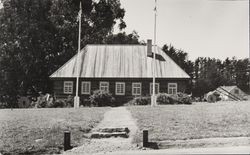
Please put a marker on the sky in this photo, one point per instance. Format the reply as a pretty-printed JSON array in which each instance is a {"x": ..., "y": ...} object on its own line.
[{"x": 202, "y": 28}]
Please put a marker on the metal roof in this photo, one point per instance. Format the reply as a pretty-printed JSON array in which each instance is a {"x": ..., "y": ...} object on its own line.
[
  {"x": 120, "y": 61},
  {"x": 227, "y": 88}
]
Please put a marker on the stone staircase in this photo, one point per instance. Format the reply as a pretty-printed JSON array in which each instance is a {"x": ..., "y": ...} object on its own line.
[{"x": 110, "y": 132}]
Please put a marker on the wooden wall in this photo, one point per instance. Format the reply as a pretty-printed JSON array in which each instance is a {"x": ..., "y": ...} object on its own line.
[{"x": 58, "y": 86}]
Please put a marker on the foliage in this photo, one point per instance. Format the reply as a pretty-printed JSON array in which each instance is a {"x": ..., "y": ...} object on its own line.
[
  {"x": 141, "y": 100},
  {"x": 164, "y": 98},
  {"x": 212, "y": 73},
  {"x": 123, "y": 38},
  {"x": 183, "y": 98},
  {"x": 180, "y": 57},
  {"x": 102, "y": 98},
  {"x": 209, "y": 73},
  {"x": 179, "y": 98},
  {"x": 38, "y": 36},
  {"x": 43, "y": 102}
]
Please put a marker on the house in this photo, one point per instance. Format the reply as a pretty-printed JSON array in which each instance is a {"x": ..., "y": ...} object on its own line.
[
  {"x": 123, "y": 70},
  {"x": 230, "y": 93}
]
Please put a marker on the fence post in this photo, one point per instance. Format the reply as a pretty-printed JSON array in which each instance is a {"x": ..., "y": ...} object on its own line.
[
  {"x": 145, "y": 138},
  {"x": 67, "y": 140}
]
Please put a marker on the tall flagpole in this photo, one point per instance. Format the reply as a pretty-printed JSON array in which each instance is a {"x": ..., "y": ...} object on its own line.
[
  {"x": 77, "y": 99},
  {"x": 153, "y": 99}
]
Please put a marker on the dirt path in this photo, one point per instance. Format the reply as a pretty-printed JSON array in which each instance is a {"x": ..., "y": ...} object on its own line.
[{"x": 118, "y": 117}]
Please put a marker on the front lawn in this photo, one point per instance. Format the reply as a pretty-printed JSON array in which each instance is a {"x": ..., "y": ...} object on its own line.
[
  {"x": 200, "y": 120},
  {"x": 40, "y": 131}
]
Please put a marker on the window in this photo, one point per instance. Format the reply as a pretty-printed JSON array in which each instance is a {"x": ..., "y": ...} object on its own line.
[
  {"x": 236, "y": 91},
  {"x": 86, "y": 87},
  {"x": 104, "y": 86},
  {"x": 136, "y": 88},
  {"x": 172, "y": 88},
  {"x": 68, "y": 87},
  {"x": 120, "y": 88},
  {"x": 157, "y": 87}
]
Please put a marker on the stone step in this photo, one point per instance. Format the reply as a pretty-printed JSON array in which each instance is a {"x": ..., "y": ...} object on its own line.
[
  {"x": 108, "y": 135},
  {"x": 112, "y": 130}
]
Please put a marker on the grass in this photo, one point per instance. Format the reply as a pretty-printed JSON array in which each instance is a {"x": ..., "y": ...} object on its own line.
[
  {"x": 200, "y": 120},
  {"x": 40, "y": 131}
]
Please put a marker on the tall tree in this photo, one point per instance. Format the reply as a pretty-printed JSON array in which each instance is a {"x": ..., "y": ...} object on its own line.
[
  {"x": 123, "y": 38},
  {"x": 38, "y": 36},
  {"x": 180, "y": 57}
]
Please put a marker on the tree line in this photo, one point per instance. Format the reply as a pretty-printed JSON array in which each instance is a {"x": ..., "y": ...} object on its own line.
[
  {"x": 207, "y": 74},
  {"x": 38, "y": 36}
]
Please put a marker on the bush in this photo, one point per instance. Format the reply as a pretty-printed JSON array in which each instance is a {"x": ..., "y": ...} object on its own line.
[
  {"x": 3, "y": 105},
  {"x": 69, "y": 102},
  {"x": 59, "y": 103},
  {"x": 141, "y": 100},
  {"x": 102, "y": 98},
  {"x": 179, "y": 98},
  {"x": 41, "y": 102},
  {"x": 164, "y": 98},
  {"x": 183, "y": 98}
]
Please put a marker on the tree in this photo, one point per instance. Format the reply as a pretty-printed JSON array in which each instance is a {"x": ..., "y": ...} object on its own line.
[
  {"x": 38, "y": 36},
  {"x": 123, "y": 38},
  {"x": 180, "y": 57},
  {"x": 242, "y": 76}
]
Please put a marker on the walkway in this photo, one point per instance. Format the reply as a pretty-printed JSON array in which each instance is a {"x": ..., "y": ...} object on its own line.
[{"x": 118, "y": 117}]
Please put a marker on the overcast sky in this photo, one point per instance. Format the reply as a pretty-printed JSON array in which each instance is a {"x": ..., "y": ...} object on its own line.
[{"x": 213, "y": 28}]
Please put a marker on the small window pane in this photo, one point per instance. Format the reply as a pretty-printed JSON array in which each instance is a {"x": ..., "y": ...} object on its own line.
[
  {"x": 104, "y": 86},
  {"x": 172, "y": 88},
  {"x": 68, "y": 87},
  {"x": 157, "y": 87},
  {"x": 85, "y": 87},
  {"x": 120, "y": 88},
  {"x": 136, "y": 88}
]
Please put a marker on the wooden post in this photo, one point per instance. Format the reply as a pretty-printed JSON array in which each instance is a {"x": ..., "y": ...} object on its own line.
[
  {"x": 145, "y": 138},
  {"x": 67, "y": 140}
]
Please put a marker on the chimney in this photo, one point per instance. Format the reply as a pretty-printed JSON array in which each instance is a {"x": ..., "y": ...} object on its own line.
[{"x": 149, "y": 47}]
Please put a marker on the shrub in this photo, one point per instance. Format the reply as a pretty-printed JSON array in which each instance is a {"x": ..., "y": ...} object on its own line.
[
  {"x": 102, "y": 98},
  {"x": 164, "y": 98},
  {"x": 3, "y": 105},
  {"x": 41, "y": 102},
  {"x": 179, "y": 98},
  {"x": 141, "y": 100},
  {"x": 59, "y": 103},
  {"x": 183, "y": 98},
  {"x": 69, "y": 102}
]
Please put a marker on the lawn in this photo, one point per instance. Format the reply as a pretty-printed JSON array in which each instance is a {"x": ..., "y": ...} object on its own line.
[
  {"x": 200, "y": 120},
  {"x": 40, "y": 131}
]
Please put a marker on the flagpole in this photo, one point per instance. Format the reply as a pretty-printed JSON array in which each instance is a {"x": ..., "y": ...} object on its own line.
[
  {"x": 77, "y": 99},
  {"x": 153, "y": 102}
]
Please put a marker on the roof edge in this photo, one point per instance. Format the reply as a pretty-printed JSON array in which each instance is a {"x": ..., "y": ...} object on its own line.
[{"x": 84, "y": 48}]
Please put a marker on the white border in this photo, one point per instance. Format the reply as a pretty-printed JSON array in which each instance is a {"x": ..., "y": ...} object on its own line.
[
  {"x": 72, "y": 86},
  {"x": 136, "y": 87},
  {"x": 87, "y": 82},
  {"x": 175, "y": 86}
]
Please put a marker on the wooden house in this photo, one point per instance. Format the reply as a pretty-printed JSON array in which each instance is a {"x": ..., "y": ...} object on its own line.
[{"x": 123, "y": 70}]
